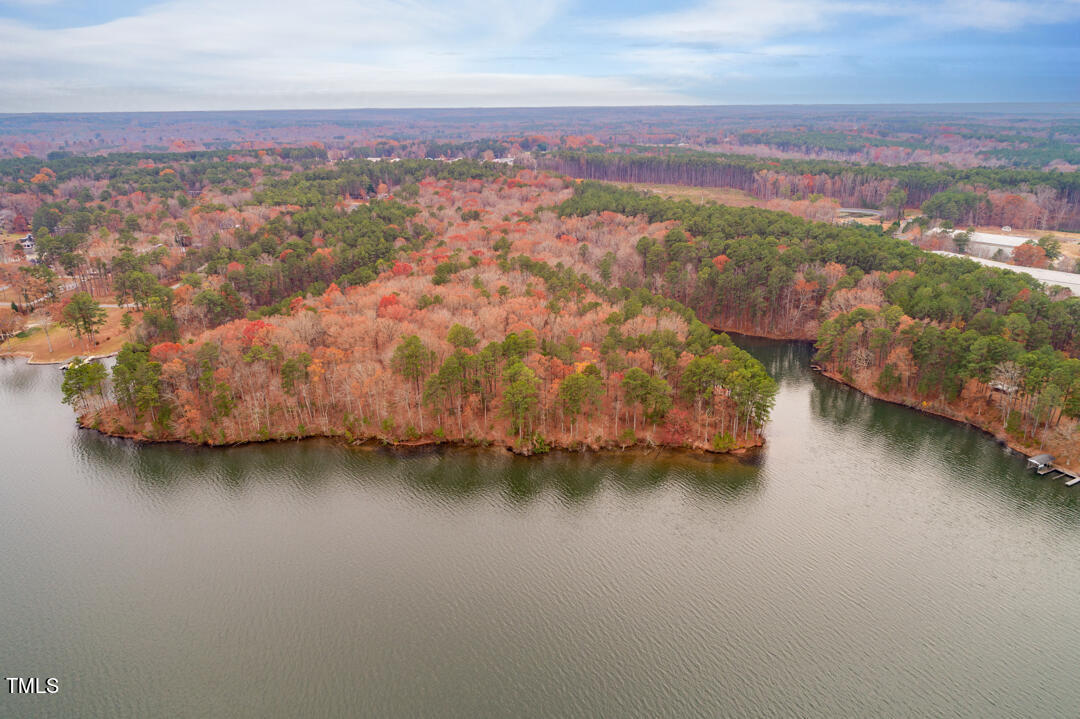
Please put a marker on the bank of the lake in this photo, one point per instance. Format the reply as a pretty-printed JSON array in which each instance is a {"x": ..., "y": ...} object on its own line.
[
  {"x": 93, "y": 422},
  {"x": 109, "y": 423},
  {"x": 869, "y": 561},
  {"x": 1066, "y": 450}
]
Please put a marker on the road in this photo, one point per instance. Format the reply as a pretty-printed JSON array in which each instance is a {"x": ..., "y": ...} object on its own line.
[{"x": 1067, "y": 280}]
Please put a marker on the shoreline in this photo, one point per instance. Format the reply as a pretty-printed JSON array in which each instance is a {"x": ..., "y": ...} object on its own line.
[
  {"x": 423, "y": 445},
  {"x": 29, "y": 357},
  {"x": 775, "y": 336},
  {"x": 1001, "y": 438}
]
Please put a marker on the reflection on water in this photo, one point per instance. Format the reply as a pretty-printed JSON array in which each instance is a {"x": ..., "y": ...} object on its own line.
[
  {"x": 786, "y": 361},
  {"x": 447, "y": 473},
  {"x": 967, "y": 456},
  {"x": 18, "y": 376}
]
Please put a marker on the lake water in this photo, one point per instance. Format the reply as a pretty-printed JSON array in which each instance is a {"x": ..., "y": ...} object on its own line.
[{"x": 871, "y": 562}]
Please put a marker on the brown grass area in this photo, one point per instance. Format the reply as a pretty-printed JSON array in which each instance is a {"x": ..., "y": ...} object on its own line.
[
  {"x": 864, "y": 220},
  {"x": 1033, "y": 234},
  {"x": 722, "y": 195},
  {"x": 65, "y": 345}
]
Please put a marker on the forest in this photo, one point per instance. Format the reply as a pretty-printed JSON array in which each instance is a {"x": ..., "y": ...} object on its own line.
[
  {"x": 433, "y": 321},
  {"x": 942, "y": 333},
  {"x": 1015, "y": 197},
  {"x": 422, "y": 301}
]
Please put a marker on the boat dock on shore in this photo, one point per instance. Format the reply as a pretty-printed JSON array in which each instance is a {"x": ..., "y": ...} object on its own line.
[{"x": 1044, "y": 466}]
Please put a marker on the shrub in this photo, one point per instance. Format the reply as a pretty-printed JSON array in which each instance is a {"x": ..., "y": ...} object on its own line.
[
  {"x": 539, "y": 444},
  {"x": 889, "y": 379},
  {"x": 722, "y": 442},
  {"x": 1012, "y": 425}
]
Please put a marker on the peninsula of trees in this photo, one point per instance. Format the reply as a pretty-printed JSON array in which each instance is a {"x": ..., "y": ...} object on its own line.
[{"x": 461, "y": 311}]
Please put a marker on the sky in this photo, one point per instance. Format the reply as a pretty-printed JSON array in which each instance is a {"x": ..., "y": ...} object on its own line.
[{"x": 132, "y": 55}]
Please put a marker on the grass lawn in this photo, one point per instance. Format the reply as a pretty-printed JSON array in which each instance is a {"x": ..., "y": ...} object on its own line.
[{"x": 65, "y": 345}]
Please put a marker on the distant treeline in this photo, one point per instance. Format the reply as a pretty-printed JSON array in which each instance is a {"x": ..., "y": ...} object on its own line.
[
  {"x": 1058, "y": 194},
  {"x": 1022, "y": 151},
  {"x": 67, "y": 166},
  {"x": 830, "y": 141},
  {"x": 472, "y": 149},
  {"x": 357, "y": 178},
  {"x": 1038, "y": 152}
]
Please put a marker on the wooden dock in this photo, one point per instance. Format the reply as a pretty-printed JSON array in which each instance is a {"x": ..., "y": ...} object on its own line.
[
  {"x": 1044, "y": 467},
  {"x": 1070, "y": 478}
]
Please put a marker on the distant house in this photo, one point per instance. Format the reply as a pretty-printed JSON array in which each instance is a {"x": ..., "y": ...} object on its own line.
[
  {"x": 1003, "y": 387},
  {"x": 28, "y": 244}
]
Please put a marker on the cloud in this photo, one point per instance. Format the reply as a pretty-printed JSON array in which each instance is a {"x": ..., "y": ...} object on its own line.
[
  {"x": 701, "y": 47},
  {"x": 689, "y": 62},
  {"x": 203, "y": 28},
  {"x": 325, "y": 53},
  {"x": 737, "y": 23},
  {"x": 472, "y": 90},
  {"x": 731, "y": 22},
  {"x": 1001, "y": 15},
  {"x": 190, "y": 54}
]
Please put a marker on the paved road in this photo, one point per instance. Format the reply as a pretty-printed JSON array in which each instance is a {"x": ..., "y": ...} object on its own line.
[{"x": 1067, "y": 280}]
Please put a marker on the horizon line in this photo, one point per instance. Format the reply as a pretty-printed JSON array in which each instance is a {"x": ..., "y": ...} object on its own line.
[{"x": 975, "y": 103}]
